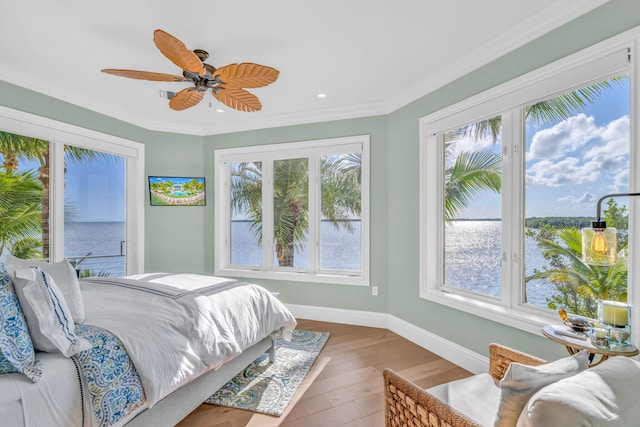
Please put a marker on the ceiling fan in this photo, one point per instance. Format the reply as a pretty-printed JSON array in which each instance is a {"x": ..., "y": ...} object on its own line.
[{"x": 226, "y": 83}]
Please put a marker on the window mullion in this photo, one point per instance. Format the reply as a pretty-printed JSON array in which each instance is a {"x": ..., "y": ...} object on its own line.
[
  {"x": 513, "y": 207},
  {"x": 314, "y": 214},
  {"x": 268, "y": 243},
  {"x": 56, "y": 201}
]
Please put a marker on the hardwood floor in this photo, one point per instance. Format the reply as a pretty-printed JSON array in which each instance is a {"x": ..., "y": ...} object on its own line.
[{"x": 344, "y": 386}]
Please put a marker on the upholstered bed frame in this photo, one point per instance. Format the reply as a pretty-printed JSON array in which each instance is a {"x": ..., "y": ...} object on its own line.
[{"x": 177, "y": 405}]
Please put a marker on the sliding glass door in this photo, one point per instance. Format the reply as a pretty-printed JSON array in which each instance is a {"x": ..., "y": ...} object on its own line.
[{"x": 70, "y": 193}]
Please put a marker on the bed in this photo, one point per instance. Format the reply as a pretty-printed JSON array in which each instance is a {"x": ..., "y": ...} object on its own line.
[{"x": 170, "y": 341}]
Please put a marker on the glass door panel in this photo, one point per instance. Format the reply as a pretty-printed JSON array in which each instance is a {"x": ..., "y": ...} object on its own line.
[{"x": 95, "y": 212}]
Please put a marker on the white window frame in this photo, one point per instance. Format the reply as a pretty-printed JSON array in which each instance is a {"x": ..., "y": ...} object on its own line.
[
  {"x": 59, "y": 134},
  {"x": 594, "y": 64},
  {"x": 223, "y": 158}
]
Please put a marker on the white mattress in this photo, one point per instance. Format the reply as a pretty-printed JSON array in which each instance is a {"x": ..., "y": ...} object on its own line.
[{"x": 57, "y": 395}]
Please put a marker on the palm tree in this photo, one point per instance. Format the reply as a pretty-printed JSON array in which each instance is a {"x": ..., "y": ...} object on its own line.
[
  {"x": 551, "y": 110},
  {"x": 471, "y": 173},
  {"x": 465, "y": 179},
  {"x": 18, "y": 147},
  {"x": 20, "y": 206},
  {"x": 579, "y": 284},
  {"x": 340, "y": 198}
]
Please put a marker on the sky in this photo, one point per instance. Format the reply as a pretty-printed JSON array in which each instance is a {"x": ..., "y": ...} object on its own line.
[
  {"x": 94, "y": 190},
  {"x": 570, "y": 163}
]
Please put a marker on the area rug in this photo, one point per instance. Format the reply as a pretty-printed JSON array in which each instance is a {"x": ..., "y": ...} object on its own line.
[{"x": 269, "y": 387}]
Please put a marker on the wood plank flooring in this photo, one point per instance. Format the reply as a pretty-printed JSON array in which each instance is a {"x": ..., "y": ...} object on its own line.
[{"x": 344, "y": 386}]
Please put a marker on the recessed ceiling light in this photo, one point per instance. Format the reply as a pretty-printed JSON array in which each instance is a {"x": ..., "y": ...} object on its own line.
[
  {"x": 219, "y": 110},
  {"x": 322, "y": 95}
]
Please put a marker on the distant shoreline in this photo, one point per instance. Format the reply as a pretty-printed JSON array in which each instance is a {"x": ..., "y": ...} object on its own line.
[{"x": 537, "y": 222}]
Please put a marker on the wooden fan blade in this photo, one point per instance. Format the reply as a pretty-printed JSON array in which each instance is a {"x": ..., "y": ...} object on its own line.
[
  {"x": 186, "y": 98},
  {"x": 178, "y": 53},
  {"x": 145, "y": 75},
  {"x": 247, "y": 74},
  {"x": 238, "y": 99}
]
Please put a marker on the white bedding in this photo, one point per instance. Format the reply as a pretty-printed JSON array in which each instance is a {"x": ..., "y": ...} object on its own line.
[
  {"x": 55, "y": 397},
  {"x": 198, "y": 323}
]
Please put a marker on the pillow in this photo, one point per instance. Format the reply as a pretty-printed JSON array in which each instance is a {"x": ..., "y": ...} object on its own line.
[
  {"x": 605, "y": 395},
  {"x": 16, "y": 348},
  {"x": 48, "y": 316},
  {"x": 65, "y": 277},
  {"x": 520, "y": 382}
]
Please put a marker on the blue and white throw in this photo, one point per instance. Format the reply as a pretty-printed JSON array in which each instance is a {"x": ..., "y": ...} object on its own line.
[{"x": 111, "y": 382}]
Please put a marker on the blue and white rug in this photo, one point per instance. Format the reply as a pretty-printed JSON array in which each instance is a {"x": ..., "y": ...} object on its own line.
[{"x": 268, "y": 388}]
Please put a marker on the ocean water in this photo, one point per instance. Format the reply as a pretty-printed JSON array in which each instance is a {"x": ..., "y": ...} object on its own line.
[
  {"x": 339, "y": 250},
  {"x": 473, "y": 260},
  {"x": 99, "y": 242},
  {"x": 472, "y": 252}
]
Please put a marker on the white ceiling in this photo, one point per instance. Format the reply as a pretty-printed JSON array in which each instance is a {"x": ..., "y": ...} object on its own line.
[{"x": 369, "y": 56}]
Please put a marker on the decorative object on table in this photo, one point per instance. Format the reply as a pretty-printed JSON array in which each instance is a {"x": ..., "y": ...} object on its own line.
[
  {"x": 600, "y": 337},
  {"x": 616, "y": 315},
  {"x": 226, "y": 83},
  {"x": 599, "y": 243},
  {"x": 575, "y": 341},
  {"x": 269, "y": 387},
  {"x": 177, "y": 191},
  {"x": 577, "y": 323}
]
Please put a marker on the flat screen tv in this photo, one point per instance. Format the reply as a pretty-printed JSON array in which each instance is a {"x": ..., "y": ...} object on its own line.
[{"x": 176, "y": 191}]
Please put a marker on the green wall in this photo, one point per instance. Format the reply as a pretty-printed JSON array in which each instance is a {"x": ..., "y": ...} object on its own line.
[{"x": 181, "y": 239}]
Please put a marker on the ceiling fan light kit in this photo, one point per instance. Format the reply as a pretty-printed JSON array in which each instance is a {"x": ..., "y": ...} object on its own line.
[{"x": 226, "y": 83}]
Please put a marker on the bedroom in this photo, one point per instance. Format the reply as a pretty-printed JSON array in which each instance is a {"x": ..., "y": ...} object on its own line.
[{"x": 394, "y": 138}]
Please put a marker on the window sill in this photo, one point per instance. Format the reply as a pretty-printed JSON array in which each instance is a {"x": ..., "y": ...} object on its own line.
[
  {"x": 296, "y": 276},
  {"x": 524, "y": 318}
]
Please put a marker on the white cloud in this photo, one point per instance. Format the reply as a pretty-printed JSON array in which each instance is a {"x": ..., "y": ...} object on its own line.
[
  {"x": 566, "y": 136},
  {"x": 587, "y": 198},
  {"x": 567, "y": 171},
  {"x": 614, "y": 137},
  {"x": 576, "y": 151}
]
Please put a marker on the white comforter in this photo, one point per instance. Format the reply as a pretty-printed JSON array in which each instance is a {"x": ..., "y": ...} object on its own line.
[{"x": 175, "y": 327}]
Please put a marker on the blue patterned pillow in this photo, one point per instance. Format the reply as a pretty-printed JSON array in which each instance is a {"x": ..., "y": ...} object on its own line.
[{"x": 16, "y": 349}]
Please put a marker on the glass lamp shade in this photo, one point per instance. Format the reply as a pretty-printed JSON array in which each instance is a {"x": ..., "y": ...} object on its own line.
[{"x": 599, "y": 246}]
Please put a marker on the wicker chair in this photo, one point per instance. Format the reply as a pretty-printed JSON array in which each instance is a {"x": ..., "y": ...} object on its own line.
[{"x": 406, "y": 404}]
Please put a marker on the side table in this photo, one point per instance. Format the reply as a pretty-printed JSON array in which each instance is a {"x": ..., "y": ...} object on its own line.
[{"x": 574, "y": 345}]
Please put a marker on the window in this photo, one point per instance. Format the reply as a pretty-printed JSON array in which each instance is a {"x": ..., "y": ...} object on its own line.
[
  {"x": 295, "y": 211},
  {"x": 510, "y": 176},
  {"x": 89, "y": 193}
]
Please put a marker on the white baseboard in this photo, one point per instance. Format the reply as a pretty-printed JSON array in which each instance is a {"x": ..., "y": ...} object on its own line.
[{"x": 461, "y": 356}]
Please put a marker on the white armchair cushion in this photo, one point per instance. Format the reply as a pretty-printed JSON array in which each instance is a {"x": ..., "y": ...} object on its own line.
[
  {"x": 520, "y": 382},
  {"x": 606, "y": 395},
  {"x": 477, "y": 397}
]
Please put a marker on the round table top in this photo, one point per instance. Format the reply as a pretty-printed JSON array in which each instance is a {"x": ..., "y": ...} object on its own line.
[{"x": 550, "y": 331}]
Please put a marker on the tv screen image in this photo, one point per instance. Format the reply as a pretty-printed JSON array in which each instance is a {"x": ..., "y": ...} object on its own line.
[{"x": 176, "y": 191}]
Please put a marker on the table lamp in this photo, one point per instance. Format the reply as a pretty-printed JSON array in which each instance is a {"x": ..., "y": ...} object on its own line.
[{"x": 599, "y": 243}]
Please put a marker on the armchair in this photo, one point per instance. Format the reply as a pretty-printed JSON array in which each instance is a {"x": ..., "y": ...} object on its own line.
[{"x": 406, "y": 404}]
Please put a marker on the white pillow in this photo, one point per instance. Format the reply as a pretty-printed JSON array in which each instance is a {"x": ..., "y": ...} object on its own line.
[
  {"x": 49, "y": 319},
  {"x": 520, "y": 382},
  {"x": 605, "y": 395},
  {"x": 65, "y": 277}
]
